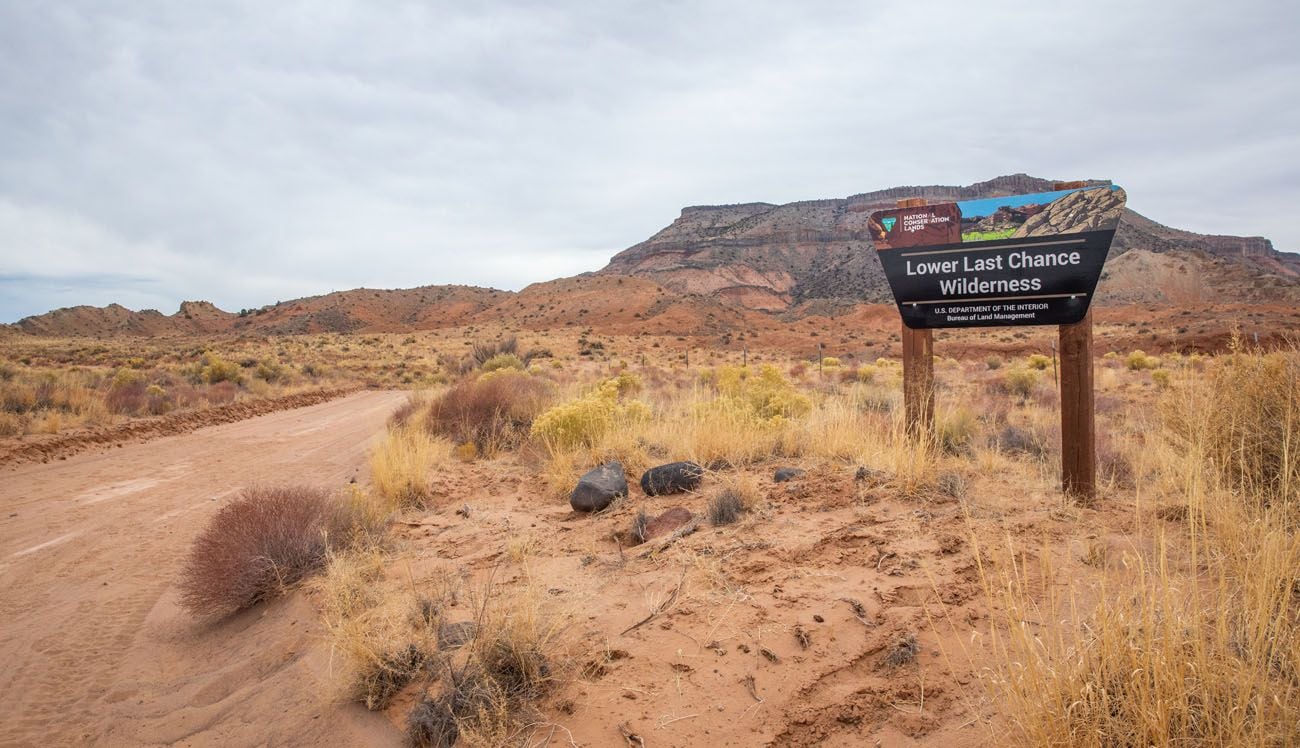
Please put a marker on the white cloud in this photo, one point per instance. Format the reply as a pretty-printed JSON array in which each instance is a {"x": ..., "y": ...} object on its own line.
[{"x": 244, "y": 152}]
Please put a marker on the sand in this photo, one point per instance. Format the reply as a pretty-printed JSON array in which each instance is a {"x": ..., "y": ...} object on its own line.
[{"x": 94, "y": 648}]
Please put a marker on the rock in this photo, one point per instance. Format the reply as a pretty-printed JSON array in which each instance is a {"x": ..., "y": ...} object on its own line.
[
  {"x": 871, "y": 476},
  {"x": 598, "y": 488},
  {"x": 786, "y": 473},
  {"x": 667, "y": 522},
  {"x": 453, "y": 635},
  {"x": 674, "y": 477}
]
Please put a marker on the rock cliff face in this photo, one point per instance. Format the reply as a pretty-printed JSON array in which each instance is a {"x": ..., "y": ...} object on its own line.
[
  {"x": 781, "y": 257},
  {"x": 1086, "y": 210}
]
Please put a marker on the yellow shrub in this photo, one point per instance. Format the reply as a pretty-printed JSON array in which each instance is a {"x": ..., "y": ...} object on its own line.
[
  {"x": 1137, "y": 361},
  {"x": 866, "y": 374},
  {"x": 1020, "y": 381},
  {"x": 582, "y": 422},
  {"x": 769, "y": 394},
  {"x": 1039, "y": 361},
  {"x": 830, "y": 362},
  {"x": 502, "y": 361},
  {"x": 1161, "y": 378}
]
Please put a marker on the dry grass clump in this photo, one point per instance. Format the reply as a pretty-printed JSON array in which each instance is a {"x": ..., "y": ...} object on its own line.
[
  {"x": 481, "y": 353},
  {"x": 382, "y": 648},
  {"x": 400, "y": 465},
  {"x": 260, "y": 544},
  {"x": 488, "y": 691},
  {"x": 955, "y": 430},
  {"x": 725, "y": 507},
  {"x": 1162, "y": 659},
  {"x": 1198, "y": 641},
  {"x": 1243, "y": 420},
  {"x": 640, "y": 525},
  {"x": 493, "y": 412}
]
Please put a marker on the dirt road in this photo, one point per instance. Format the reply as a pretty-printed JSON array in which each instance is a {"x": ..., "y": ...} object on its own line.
[{"x": 93, "y": 647}]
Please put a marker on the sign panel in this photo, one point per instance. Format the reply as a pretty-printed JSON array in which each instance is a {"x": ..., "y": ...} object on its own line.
[{"x": 1017, "y": 260}]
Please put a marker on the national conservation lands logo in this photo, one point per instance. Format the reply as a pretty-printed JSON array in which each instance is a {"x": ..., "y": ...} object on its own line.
[{"x": 1014, "y": 260}]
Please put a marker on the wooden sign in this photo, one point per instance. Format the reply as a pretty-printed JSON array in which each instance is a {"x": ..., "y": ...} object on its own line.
[{"x": 1016, "y": 260}]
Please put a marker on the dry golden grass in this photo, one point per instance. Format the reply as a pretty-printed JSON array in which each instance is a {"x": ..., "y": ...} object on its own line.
[
  {"x": 1196, "y": 642},
  {"x": 400, "y": 466}
]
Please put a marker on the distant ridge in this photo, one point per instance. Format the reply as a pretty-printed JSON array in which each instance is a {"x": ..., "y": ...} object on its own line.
[
  {"x": 782, "y": 257},
  {"x": 715, "y": 267}
]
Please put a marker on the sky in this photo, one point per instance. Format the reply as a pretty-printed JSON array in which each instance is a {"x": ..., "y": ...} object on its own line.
[{"x": 250, "y": 152}]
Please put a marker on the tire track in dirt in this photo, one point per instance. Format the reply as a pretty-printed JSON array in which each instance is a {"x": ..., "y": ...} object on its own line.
[{"x": 60, "y": 446}]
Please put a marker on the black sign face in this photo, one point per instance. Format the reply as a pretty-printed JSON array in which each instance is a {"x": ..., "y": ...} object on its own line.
[{"x": 1017, "y": 260}]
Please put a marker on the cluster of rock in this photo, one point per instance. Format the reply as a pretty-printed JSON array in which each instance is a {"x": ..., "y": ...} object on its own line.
[{"x": 598, "y": 488}]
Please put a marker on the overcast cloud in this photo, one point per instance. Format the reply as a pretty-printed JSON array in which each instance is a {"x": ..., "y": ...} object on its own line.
[{"x": 245, "y": 152}]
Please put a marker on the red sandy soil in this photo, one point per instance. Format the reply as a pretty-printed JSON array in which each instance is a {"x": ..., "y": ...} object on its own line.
[
  {"x": 741, "y": 657},
  {"x": 94, "y": 648}
]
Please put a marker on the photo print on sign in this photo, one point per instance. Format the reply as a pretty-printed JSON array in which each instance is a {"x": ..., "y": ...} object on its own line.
[{"x": 1015, "y": 260}]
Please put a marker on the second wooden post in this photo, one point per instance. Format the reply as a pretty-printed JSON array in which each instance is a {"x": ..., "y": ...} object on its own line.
[
  {"x": 1078, "y": 424},
  {"x": 918, "y": 368}
]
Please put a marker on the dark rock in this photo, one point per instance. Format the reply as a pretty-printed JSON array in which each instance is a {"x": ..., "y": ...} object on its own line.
[
  {"x": 674, "y": 477},
  {"x": 871, "y": 476},
  {"x": 786, "y": 473},
  {"x": 453, "y": 635},
  {"x": 667, "y": 522},
  {"x": 598, "y": 488}
]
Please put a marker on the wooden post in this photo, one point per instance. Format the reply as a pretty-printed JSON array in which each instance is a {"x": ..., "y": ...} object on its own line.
[
  {"x": 1078, "y": 406},
  {"x": 1078, "y": 425},
  {"x": 744, "y": 360},
  {"x": 918, "y": 380},
  {"x": 918, "y": 367},
  {"x": 820, "y": 358}
]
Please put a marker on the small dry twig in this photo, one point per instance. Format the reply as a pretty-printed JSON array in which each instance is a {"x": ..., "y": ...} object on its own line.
[
  {"x": 665, "y": 605},
  {"x": 681, "y": 532},
  {"x": 632, "y": 738},
  {"x": 859, "y": 612},
  {"x": 752, "y": 687}
]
